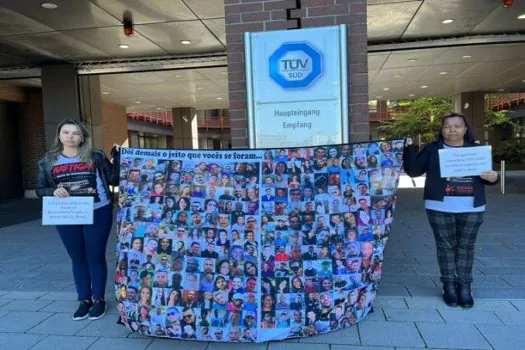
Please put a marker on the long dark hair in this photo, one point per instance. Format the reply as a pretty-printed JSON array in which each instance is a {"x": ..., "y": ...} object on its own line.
[{"x": 469, "y": 136}]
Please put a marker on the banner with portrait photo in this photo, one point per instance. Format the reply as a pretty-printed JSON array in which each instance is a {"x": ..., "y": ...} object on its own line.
[{"x": 253, "y": 245}]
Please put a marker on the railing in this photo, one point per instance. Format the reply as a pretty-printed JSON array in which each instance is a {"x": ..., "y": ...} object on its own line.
[
  {"x": 166, "y": 119},
  {"x": 163, "y": 118},
  {"x": 506, "y": 101}
]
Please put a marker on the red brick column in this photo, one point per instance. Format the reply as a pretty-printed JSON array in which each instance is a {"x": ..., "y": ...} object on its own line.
[{"x": 265, "y": 15}]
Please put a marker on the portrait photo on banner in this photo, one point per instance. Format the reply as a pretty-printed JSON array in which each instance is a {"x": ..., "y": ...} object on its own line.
[{"x": 253, "y": 245}]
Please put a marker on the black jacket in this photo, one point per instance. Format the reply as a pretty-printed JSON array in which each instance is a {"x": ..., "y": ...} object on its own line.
[
  {"x": 427, "y": 161},
  {"x": 109, "y": 172}
]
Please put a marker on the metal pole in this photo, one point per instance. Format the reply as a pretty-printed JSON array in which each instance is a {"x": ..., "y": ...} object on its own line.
[{"x": 502, "y": 174}]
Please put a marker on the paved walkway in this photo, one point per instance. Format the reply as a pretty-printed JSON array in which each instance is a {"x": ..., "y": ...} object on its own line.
[{"x": 37, "y": 294}]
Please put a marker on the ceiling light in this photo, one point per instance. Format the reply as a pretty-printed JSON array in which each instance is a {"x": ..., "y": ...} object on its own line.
[
  {"x": 397, "y": 76},
  {"x": 200, "y": 88},
  {"x": 185, "y": 42},
  {"x": 138, "y": 102},
  {"x": 424, "y": 86},
  {"x": 411, "y": 95},
  {"x": 177, "y": 76},
  {"x": 219, "y": 98},
  {"x": 49, "y": 5},
  {"x": 158, "y": 108},
  {"x": 223, "y": 73},
  {"x": 443, "y": 73},
  {"x": 412, "y": 60},
  {"x": 501, "y": 90},
  {"x": 466, "y": 56},
  {"x": 124, "y": 46},
  {"x": 523, "y": 81},
  {"x": 386, "y": 89},
  {"x": 378, "y": 97},
  {"x": 105, "y": 93},
  {"x": 447, "y": 21},
  {"x": 522, "y": 16}
]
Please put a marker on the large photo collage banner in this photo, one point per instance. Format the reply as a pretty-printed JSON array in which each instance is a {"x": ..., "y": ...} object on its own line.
[{"x": 253, "y": 245}]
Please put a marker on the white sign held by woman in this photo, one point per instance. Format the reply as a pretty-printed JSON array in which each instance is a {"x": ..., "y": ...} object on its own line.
[
  {"x": 67, "y": 211},
  {"x": 465, "y": 161}
]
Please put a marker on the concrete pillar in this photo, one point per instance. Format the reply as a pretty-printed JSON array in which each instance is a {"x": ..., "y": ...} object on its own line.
[
  {"x": 91, "y": 108},
  {"x": 472, "y": 106},
  {"x": 59, "y": 96},
  {"x": 68, "y": 96},
  {"x": 185, "y": 128}
]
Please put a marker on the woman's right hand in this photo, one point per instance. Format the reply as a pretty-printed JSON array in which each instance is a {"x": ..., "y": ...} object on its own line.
[
  {"x": 61, "y": 192},
  {"x": 409, "y": 141}
]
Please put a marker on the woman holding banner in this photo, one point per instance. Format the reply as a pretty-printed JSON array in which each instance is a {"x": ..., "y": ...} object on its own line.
[
  {"x": 455, "y": 207},
  {"x": 73, "y": 168}
]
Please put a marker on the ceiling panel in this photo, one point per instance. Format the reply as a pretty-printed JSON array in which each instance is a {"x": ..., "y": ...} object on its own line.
[
  {"x": 389, "y": 21},
  {"x": 376, "y": 60},
  {"x": 412, "y": 58},
  {"x": 402, "y": 74},
  {"x": 467, "y": 15},
  {"x": 13, "y": 23},
  {"x": 205, "y": 9},
  {"x": 69, "y": 15},
  {"x": 148, "y": 11},
  {"x": 503, "y": 20},
  {"x": 218, "y": 28},
  {"x": 169, "y": 35}
]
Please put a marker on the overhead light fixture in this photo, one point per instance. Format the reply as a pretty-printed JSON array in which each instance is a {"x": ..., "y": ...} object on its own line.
[
  {"x": 397, "y": 76},
  {"x": 158, "y": 108},
  {"x": 523, "y": 81},
  {"x": 424, "y": 86},
  {"x": 185, "y": 42},
  {"x": 386, "y": 89},
  {"x": 200, "y": 88},
  {"x": 412, "y": 60},
  {"x": 219, "y": 98},
  {"x": 501, "y": 90},
  {"x": 378, "y": 97},
  {"x": 466, "y": 56},
  {"x": 224, "y": 73},
  {"x": 443, "y": 73},
  {"x": 105, "y": 93},
  {"x": 522, "y": 16},
  {"x": 447, "y": 21},
  {"x": 177, "y": 76},
  {"x": 49, "y": 5},
  {"x": 124, "y": 46},
  {"x": 138, "y": 102},
  {"x": 411, "y": 95}
]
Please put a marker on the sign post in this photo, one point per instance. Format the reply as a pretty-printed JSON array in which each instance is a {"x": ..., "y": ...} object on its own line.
[{"x": 297, "y": 87}]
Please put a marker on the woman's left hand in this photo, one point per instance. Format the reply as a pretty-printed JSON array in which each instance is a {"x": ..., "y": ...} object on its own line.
[{"x": 491, "y": 176}]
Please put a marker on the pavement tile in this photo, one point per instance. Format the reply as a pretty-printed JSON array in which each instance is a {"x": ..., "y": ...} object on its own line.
[
  {"x": 63, "y": 342},
  {"x": 390, "y": 302},
  {"x": 61, "y": 306},
  {"x": 389, "y": 334},
  {"x": 348, "y": 336},
  {"x": 460, "y": 336},
  {"x": 4, "y": 302},
  {"x": 22, "y": 295},
  {"x": 21, "y": 321},
  {"x": 25, "y": 305},
  {"x": 59, "y": 324},
  {"x": 235, "y": 346},
  {"x": 9, "y": 341},
  {"x": 515, "y": 281},
  {"x": 170, "y": 344},
  {"x": 519, "y": 304},
  {"x": 287, "y": 346},
  {"x": 65, "y": 296},
  {"x": 120, "y": 344},
  {"x": 512, "y": 317},
  {"x": 425, "y": 303},
  {"x": 418, "y": 291},
  {"x": 413, "y": 315},
  {"x": 377, "y": 315},
  {"x": 498, "y": 293},
  {"x": 469, "y": 316},
  {"x": 493, "y": 305},
  {"x": 504, "y": 337},
  {"x": 104, "y": 327},
  {"x": 344, "y": 347},
  {"x": 393, "y": 291}
]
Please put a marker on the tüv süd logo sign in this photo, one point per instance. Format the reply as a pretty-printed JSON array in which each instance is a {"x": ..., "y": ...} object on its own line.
[{"x": 295, "y": 65}]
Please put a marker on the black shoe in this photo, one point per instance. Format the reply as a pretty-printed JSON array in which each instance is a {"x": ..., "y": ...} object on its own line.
[
  {"x": 83, "y": 310},
  {"x": 449, "y": 294},
  {"x": 98, "y": 310},
  {"x": 465, "y": 298}
]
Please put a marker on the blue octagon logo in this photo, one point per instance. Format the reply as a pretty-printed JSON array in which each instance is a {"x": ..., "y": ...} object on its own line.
[{"x": 295, "y": 65}]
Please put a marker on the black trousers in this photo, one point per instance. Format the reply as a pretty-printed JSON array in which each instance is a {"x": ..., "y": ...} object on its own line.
[{"x": 455, "y": 236}]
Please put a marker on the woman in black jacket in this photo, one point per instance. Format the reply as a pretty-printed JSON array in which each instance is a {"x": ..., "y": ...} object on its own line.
[
  {"x": 72, "y": 168},
  {"x": 455, "y": 207}
]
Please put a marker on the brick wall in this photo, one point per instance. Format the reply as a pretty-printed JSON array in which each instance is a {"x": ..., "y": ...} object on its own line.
[
  {"x": 265, "y": 15},
  {"x": 32, "y": 136},
  {"x": 115, "y": 126}
]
